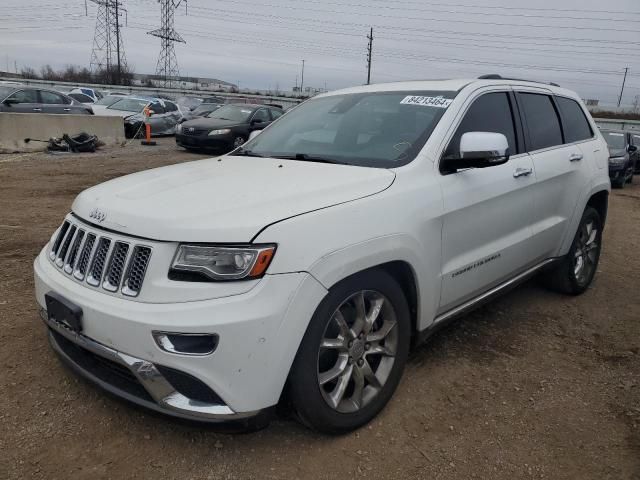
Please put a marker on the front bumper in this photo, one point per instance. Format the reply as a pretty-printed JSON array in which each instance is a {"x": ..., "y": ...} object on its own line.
[
  {"x": 223, "y": 143},
  {"x": 157, "y": 393},
  {"x": 259, "y": 333}
]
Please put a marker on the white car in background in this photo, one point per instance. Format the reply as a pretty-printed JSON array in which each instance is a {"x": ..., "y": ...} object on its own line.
[
  {"x": 164, "y": 118},
  {"x": 317, "y": 253}
]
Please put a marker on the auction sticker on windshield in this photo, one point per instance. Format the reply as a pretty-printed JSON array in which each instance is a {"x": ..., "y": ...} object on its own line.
[{"x": 439, "y": 102}]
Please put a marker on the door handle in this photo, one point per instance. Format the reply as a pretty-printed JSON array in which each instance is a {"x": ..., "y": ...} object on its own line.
[
  {"x": 67, "y": 109},
  {"x": 522, "y": 172},
  {"x": 575, "y": 157},
  {"x": 37, "y": 109}
]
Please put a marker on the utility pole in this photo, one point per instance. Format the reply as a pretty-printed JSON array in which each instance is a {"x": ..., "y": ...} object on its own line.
[
  {"x": 369, "y": 52},
  {"x": 108, "y": 47},
  {"x": 302, "y": 78},
  {"x": 119, "y": 78},
  {"x": 623, "y": 81},
  {"x": 167, "y": 66}
]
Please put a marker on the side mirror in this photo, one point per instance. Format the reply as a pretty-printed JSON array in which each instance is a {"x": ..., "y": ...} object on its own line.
[
  {"x": 256, "y": 121},
  {"x": 632, "y": 149},
  {"x": 478, "y": 150},
  {"x": 11, "y": 101},
  {"x": 254, "y": 134}
]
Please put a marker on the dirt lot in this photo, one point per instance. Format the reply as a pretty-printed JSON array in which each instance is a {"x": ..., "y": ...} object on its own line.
[{"x": 534, "y": 385}]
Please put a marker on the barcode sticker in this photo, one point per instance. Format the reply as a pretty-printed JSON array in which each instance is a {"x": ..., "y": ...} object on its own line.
[{"x": 439, "y": 102}]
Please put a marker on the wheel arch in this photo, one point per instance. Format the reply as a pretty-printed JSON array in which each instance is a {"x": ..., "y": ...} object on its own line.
[{"x": 600, "y": 202}]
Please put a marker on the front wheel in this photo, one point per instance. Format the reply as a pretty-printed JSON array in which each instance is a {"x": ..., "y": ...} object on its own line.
[
  {"x": 352, "y": 356},
  {"x": 576, "y": 270}
]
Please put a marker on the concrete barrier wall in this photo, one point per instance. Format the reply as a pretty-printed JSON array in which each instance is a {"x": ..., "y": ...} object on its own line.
[
  {"x": 15, "y": 127},
  {"x": 618, "y": 123}
]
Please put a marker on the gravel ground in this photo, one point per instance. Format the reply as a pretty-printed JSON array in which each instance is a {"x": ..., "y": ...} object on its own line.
[{"x": 534, "y": 385}]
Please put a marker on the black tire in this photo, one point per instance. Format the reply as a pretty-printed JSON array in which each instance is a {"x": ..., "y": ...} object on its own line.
[
  {"x": 308, "y": 401},
  {"x": 563, "y": 278}
]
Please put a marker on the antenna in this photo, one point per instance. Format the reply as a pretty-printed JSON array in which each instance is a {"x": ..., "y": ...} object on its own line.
[
  {"x": 107, "y": 55},
  {"x": 167, "y": 66}
]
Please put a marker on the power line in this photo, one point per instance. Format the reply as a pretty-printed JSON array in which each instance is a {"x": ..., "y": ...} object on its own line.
[{"x": 425, "y": 19}]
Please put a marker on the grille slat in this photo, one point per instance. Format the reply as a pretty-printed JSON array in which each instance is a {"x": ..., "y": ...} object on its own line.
[
  {"x": 58, "y": 240},
  {"x": 115, "y": 265},
  {"x": 70, "y": 261},
  {"x": 64, "y": 246},
  {"x": 136, "y": 271},
  {"x": 85, "y": 256},
  {"x": 94, "y": 277}
]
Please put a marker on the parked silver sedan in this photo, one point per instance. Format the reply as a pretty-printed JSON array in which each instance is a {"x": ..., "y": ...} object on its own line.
[{"x": 23, "y": 99}]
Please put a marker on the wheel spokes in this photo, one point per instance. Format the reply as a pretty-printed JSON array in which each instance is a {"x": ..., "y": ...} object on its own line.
[
  {"x": 336, "y": 395},
  {"x": 382, "y": 332},
  {"x": 369, "y": 376},
  {"x": 334, "y": 372}
]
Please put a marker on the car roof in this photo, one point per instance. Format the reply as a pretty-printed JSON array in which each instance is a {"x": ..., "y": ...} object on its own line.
[{"x": 448, "y": 85}]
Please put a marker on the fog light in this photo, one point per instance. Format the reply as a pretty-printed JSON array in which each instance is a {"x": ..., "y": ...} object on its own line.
[{"x": 187, "y": 343}]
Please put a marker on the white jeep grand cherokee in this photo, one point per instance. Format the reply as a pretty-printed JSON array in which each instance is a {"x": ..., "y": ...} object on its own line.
[{"x": 314, "y": 255}]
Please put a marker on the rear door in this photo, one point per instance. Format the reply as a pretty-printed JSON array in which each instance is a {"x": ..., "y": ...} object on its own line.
[
  {"x": 561, "y": 143},
  {"x": 486, "y": 233}
]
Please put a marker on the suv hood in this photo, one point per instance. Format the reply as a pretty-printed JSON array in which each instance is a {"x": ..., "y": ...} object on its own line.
[{"x": 229, "y": 199}]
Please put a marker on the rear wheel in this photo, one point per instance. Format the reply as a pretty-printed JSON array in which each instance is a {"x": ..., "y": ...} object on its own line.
[
  {"x": 576, "y": 270},
  {"x": 353, "y": 353}
]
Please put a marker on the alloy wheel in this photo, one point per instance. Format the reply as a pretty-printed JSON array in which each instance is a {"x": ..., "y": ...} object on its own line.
[
  {"x": 586, "y": 252},
  {"x": 357, "y": 351},
  {"x": 238, "y": 142}
]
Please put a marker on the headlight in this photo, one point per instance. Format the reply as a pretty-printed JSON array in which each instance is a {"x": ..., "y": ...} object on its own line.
[
  {"x": 222, "y": 131},
  {"x": 224, "y": 263},
  {"x": 179, "y": 128},
  {"x": 617, "y": 160}
]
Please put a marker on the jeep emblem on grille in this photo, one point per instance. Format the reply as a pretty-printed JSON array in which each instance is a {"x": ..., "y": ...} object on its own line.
[{"x": 98, "y": 215}]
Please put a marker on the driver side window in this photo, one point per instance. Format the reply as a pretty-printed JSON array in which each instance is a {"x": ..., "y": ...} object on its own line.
[
  {"x": 25, "y": 96},
  {"x": 489, "y": 113}
]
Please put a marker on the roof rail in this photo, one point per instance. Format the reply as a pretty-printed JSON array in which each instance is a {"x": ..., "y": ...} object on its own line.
[{"x": 495, "y": 76}]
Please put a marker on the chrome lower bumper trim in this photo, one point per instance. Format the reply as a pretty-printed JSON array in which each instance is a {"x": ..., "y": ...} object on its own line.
[{"x": 168, "y": 399}]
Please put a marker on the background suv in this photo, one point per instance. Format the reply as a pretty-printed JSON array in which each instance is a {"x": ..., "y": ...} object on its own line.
[
  {"x": 623, "y": 155},
  {"x": 317, "y": 253}
]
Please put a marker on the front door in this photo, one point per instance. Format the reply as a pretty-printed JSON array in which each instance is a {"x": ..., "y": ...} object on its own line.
[{"x": 486, "y": 235}]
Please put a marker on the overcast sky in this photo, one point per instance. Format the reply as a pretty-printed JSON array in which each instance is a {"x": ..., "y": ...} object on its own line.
[{"x": 260, "y": 43}]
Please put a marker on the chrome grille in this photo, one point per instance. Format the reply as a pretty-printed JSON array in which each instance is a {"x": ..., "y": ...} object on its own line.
[
  {"x": 95, "y": 258},
  {"x": 192, "y": 131}
]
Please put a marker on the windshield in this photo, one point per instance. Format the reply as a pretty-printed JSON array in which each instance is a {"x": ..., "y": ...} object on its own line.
[
  {"x": 205, "y": 108},
  {"x": 615, "y": 140},
  {"x": 236, "y": 113},
  {"x": 129, "y": 105},
  {"x": 108, "y": 100},
  {"x": 377, "y": 129}
]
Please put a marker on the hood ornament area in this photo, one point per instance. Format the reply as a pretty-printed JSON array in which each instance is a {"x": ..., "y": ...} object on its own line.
[{"x": 98, "y": 215}]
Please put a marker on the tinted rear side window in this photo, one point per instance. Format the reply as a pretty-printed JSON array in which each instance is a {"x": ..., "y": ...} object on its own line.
[
  {"x": 489, "y": 113},
  {"x": 576, "y": 126},
  {"x": 542, "y": 121}
]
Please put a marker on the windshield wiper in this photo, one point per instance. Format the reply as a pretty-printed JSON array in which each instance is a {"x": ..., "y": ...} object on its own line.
[
  {"x": 247, "y": 153},
  {"x": 308, "y": 158}
]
